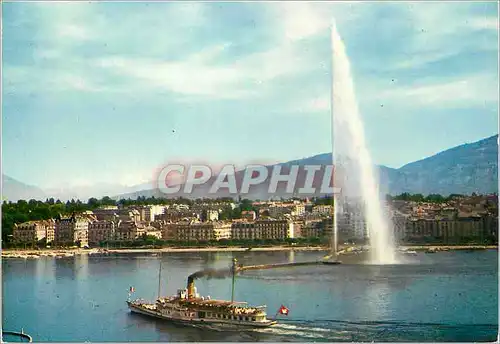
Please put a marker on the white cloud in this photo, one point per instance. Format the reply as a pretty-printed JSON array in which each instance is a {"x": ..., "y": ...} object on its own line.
[
  {"x": 73, "y": 31},
  {"x": 196, "y": 75},
  {"x": 470, "y": 90},
  {"x": 466, "y": 91},
  {"x": 247, "y": 76},
  {"x": 64, "y": 23},
  {"x": 485, "y": 23},
  {"x": 302, "y": 19},
  {"x": 442, "y": 31},
  {"x": 199, "y": 74}
]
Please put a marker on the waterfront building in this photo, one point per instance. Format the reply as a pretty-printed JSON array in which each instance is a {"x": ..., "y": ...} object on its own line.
[
  {"x": 202, "y": 231},
  {"x": 399, "y": 224},
  {"x": 50, "y": 230},
  {"x": 244, "y": 230},
  {"x": 327, "y": 228},
  {"x": 34, "y": 232},
  {"x": 297, "y": 228},
  {"x": 274, "y": 229},
  {"x": 312, "y": 228},
  {"x": 168, "y": 232},
  {"x": 126, "y": 231},
  {"x": 262, "y": 229},
  {"x": 73, "y": 230},
  {"x": 102, "y": 230},
  {"x": 448, "y": 230},
  {"x": 351, "y": 226},
  {"x": 144, "y": 230}
]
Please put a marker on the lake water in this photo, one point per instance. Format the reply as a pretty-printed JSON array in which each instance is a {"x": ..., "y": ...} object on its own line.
[{"x": 446, "y": 296}]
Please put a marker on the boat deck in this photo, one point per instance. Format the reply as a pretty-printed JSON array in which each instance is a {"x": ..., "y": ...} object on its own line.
[{"x": 235, "y": 319}]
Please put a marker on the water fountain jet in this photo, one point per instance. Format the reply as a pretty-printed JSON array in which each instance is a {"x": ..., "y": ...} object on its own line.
[{"x": 350, "y": 153}]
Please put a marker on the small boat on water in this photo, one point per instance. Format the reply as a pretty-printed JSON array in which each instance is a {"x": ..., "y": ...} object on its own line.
[{"x": 189, "y": 308}]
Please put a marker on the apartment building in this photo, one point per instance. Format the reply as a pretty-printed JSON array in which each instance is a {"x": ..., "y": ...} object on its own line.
[
  {"x": 274, "y": 228},
  {"x": 144, "y": 230},
  {"x": 450, "y": 230},
  {"x": 102, "y": 230},
  {"x": 312, "y": 228},
  {"x": 126, "y": 231},
  {"x": 244, "y": 230},
  {"x": 73, "y": 230},
  {"x": 202, "y": 231},
  {"x": 33, "y": 232}
]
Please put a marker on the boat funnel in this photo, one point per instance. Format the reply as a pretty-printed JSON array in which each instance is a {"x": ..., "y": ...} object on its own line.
[{"x": 190, "y": 288}]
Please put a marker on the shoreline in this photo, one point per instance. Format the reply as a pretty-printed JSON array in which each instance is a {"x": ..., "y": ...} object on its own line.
[
  {"x": 31, "y": 253},
  {"x": 17, "y": 253},
  {"x": 449, "y": 247}
]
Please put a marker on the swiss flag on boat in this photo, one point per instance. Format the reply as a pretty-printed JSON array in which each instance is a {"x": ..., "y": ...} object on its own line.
[{"x": 283, "y": 310}]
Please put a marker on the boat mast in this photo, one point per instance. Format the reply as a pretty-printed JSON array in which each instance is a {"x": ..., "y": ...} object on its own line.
[
  {"x": 159, "y": 278},
  {"x": 234, "y": 274}
]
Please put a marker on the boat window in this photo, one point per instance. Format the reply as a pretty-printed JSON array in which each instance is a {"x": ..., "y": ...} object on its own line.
[{"x": 253, "y": 318}]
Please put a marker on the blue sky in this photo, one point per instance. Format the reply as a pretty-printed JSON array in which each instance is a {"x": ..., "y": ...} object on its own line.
[{"x": 108, "y": 92}]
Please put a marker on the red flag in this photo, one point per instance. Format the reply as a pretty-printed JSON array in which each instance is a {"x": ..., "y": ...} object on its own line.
[
  {"x": 132, "y": 289},
  {"x": 283, "y": 310}
]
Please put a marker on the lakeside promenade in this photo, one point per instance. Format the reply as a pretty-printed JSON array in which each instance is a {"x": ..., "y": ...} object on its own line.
[{"x": 31, "y": 253}]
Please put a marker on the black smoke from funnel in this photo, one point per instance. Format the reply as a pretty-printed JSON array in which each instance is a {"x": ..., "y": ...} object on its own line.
[{"x": 211, "y": 273}]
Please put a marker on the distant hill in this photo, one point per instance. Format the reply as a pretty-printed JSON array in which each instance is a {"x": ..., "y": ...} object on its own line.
[
  {"x": 13, "y": 190},
  {"x": 463, "y": 169}
]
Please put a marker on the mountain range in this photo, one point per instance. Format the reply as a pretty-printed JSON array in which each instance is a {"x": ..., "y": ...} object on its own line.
[{"x": 464, "y": 169}]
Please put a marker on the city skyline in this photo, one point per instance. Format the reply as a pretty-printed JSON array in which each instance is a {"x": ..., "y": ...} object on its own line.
[{"x": 101, "y": 92}]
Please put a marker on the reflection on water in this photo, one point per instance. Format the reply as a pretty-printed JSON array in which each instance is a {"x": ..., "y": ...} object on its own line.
[{"x": 436, "y": 297}]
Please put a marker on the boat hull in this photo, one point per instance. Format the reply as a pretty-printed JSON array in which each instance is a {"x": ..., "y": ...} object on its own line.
[{"x": 196, "y": 322}]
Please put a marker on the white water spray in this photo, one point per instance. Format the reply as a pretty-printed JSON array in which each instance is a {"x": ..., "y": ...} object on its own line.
[{"x": 352, "y": 157}]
